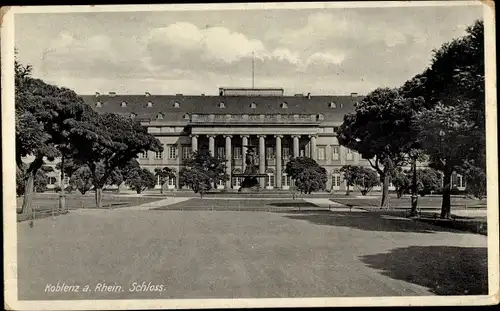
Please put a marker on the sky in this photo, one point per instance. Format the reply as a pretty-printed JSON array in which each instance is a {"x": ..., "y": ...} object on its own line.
[{"x": 319, "y": 51}]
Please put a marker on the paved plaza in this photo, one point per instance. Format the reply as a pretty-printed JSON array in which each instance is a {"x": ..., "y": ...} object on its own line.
[{"x": 244, "y": 254}]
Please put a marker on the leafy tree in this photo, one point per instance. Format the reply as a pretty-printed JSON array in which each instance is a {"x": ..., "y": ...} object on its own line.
[
  {"x": 45, "y": 116},
  {"x": 401, "y": 181},
  {"x": 428, "y": 181},
  {"x": 41, "y": 178},
  {"x": 201, "y": 171},
  {"x": 164, "y": 174},
  {"x": 476, "y": 182},
  {"x": 81, "y": 179},
  {"x": 380, "y": 130},
  {"x": 307, "y": 174},
  {"x": 349, "y": 172},
  {"x": 366, "y": 179},
  {"x": 140, "y": 180},
  {"x": 108, "y": 142}
]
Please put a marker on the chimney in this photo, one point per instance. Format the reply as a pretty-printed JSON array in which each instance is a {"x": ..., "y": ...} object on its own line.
[
  {"x": 308, "y": 95},
  {"x": 112, "y": 94},
  {"x": 148, "y": 94},
  {"x": 354, "y": 94},
  {"x": 97, "y": 94}
]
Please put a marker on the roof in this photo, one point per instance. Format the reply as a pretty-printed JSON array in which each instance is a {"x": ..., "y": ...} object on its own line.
[{"x": 200, "y": 104}]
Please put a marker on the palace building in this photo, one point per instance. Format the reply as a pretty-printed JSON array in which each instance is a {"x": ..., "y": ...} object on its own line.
[{"x": 278, "y": 126}]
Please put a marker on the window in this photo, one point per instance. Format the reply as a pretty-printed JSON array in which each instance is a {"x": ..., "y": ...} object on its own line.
[
  {"x": 332, "y": 105},
  {"x": 186, "y": 117},
  {"x": 172, "y": 152},
  {"x": 286, "y": 152},
  {"x": 52, "y": 180},
  {"x": 159, "y": 116},
  {"x": 285, "y": 180},
  {"x": 150, "y": 104},
  {"x": 284, "y": 105},
  {"x": 142, "y": 155},
  {"x": 237, "y": 152},
  {"x": 222, "y": 105},
  {"x": 335, "y": 129},
  {"x": 341, "y": 105},
  {"x": 270, "y": 152},
  {"x": 270, "y": 178},
  {"x": 186, "y": 152},
  {"x": 158, "y": 155},
  {"x": 253, "y": 105},
  {"x": 335, "y": 152},
  {"x": 124, "y": 104},
  {"x": 158, "y": 182},
  {"x": 321, "y": 117},
  {"x": 237, "y": 180},
  {"x": 176, "y": 105},
  {"x": 66, "y": 180},
  {"x": 460, "y": 181},
  {"x": 132, "y": 115},
  {"x": 171, "y": 182},
  {"x": 336, "y": 180},
  {"x": 349, "y": 154},
  {"x": 321, "y": 153},
  {"x": 221, "y": 152}
]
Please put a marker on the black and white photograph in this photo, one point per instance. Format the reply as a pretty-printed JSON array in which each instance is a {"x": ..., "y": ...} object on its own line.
[{"x": 249, "y": 155}]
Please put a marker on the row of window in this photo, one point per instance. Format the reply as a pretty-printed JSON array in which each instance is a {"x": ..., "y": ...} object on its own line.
[
  {"x": 222, "y": 105},
  {"x": 173, "y": 153}
]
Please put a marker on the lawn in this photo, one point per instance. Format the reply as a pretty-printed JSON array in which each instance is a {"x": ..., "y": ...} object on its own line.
[
  {"x": 429, "y": 202},
  {"x": 47, "y": 201},
  {"x": 243, "y": 204}
]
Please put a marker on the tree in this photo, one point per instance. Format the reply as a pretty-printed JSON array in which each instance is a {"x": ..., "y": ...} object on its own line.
[
  {"x": 19, "y": 182},
  {"x": 201, "y": 171},
  {"x": 401, "y": 181},
  {"x": 476, "y": 182},
  {"x": 349, "y": 172},
  {"x": 429, "y": 181},
  {"x": 366, "y": 179},
  {"x": 81, "y": 179},
  {"x": 140, "y": 180},
  {"x": 45, "y": 115},
  {"x": 108, "y": 142},
  {"x": 380, "y": 130},
  {"x": 41, "y": 178},
  {"x": 164, "y": 174},
  {"x": 307, "y": 174}
]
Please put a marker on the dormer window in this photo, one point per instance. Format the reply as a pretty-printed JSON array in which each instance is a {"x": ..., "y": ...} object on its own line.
[
  {"x": 147, "y": 94},
  {"x": 222, "y": 105},
  {"x": 98, "y": 104},
  {"x": 341, "y": 105},
  {"x": 253, "y": 105},
  {"x": 176, "y": 105},
  {"x": 284, "y": 105},
  {"x": 150, "y": 104},
  {"x": 133, "y": 115},
  {"x": 332, "y": 105},
  {"x": 124, "y": 104},
  {"x": 159, "y": 116},
  {"x": 321, "y": 117},
  {"x": 186, "y": 117}
]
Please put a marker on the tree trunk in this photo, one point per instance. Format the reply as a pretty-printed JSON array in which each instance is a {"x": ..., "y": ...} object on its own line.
[
  {"x": 161, "y": 188},
  {"x": 414, "y": 190},
  {"x": 385, "y": 191},
  {"x": 98, "y": 196},
  {"x": 28, "y": 193},
  {"x": 348, "y": 191},
  {"x": 446, "y": 201},
  {"x": 62, "y": 194}
]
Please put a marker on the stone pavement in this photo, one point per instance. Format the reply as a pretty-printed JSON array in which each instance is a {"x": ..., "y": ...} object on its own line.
[{"x": 326, "y": 203}]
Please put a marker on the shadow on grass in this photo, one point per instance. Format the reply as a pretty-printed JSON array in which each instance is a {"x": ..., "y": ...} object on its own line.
[
  {"x": 292, "y": 204},
  {"x": 369, "y": 222},
  {"x": 445, "y": 270}
]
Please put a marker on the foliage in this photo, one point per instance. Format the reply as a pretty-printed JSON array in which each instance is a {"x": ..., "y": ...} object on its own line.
[
  {"x": 428, "y": 181},
  {"x": 140, "y": 180},
  {"x": 107, "y": 143},
  {"x": 81, "y": 179},
  {"x": 476, "y": 182},
  {"x": 19, "y": 182},
  {"x": 401, "y": 181},
  {"x": 202, "y": 171},
  {"x": 307, "y": 174},
  {"x": 366, "y": 179},
  {"x": 41, "y": 179},
  {"x": 349, "y": 172},
  {"x": 164, "y": 174},
  {"x": 380, "y": 129}
]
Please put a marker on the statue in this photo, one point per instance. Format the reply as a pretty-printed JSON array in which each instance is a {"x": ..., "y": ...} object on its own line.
[
  {"x": 250, "y": 161},
  {"x": 250, "y": 182}
]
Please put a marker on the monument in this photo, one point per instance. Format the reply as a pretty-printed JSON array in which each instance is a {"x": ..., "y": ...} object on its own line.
[{"x": 250, "y": 176}]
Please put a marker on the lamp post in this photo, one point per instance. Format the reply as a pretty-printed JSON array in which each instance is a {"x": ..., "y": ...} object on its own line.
[{"x": 414, "y": 190}]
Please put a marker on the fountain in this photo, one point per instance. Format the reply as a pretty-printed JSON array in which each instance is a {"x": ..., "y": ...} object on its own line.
[{"x": 250, "y": 182}]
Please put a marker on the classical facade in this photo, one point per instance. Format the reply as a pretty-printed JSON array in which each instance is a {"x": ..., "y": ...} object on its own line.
[{"x": 278, "y": 126}]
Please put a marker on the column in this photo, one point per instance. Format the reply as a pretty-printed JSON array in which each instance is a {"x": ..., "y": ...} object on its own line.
[
  {"x": 180, "y": 161},
  {"x": 194, "y": 143},
  {"x": 278, "y": 161},
  {"x": 211, "y": 144},
  {"x": 295, "y": 146},
  {"x": 262, "y": 159},
  {"x": 244, "y": 144},
  {"x": 312, "y": 147},
  {"x": 228, "y": 158}
]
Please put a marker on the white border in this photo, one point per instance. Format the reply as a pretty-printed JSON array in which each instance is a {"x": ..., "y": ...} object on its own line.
[{"x": 9, "y": 200}]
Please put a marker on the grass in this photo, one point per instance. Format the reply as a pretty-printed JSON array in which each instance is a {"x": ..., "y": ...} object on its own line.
[{"x": 243, "y": 204}]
